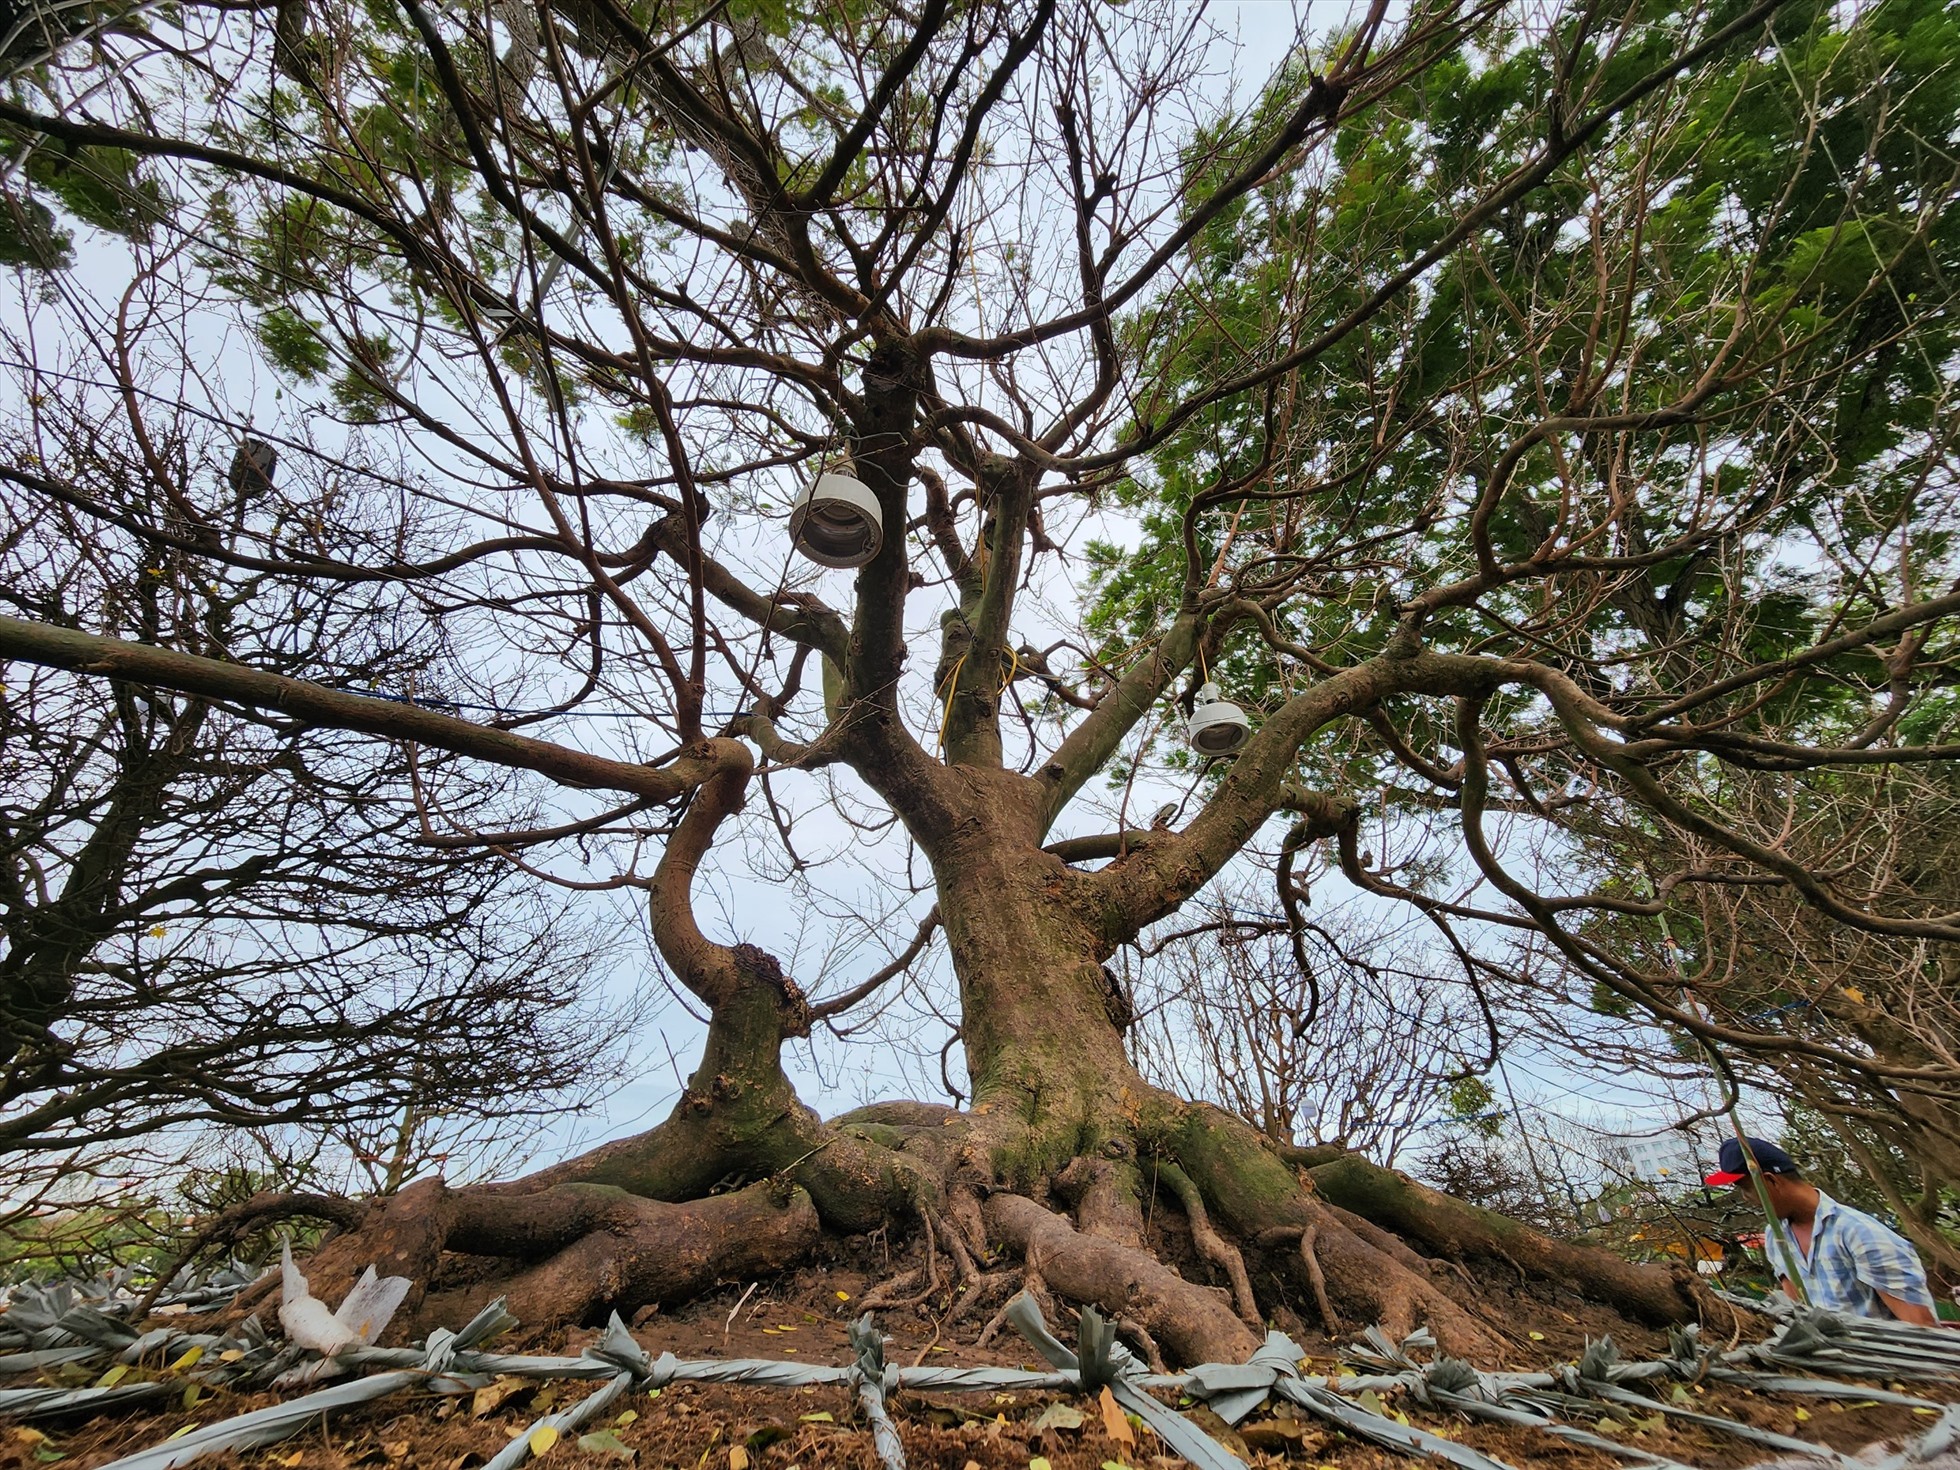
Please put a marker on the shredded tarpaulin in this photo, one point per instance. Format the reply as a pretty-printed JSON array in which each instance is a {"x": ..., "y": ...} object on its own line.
[{"x": 64, "y": 1328}]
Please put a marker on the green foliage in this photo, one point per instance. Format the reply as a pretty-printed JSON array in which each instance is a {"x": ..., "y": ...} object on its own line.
[
  {"x": 30, "y": 237},
  {"x": 1792, "y": 179},
  {"x": 293, "y": 343},
  {"x": 362, "y": 389},
  {"x": 51, "y": 182},
  {"x": 1472, "y": 1102},
  {"x": 1607, "y": 1001},
  {"x": 51, "y": 1244}
]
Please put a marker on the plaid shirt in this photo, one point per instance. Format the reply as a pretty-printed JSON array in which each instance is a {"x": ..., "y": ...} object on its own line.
[{"x": 1853, "y": 1256}]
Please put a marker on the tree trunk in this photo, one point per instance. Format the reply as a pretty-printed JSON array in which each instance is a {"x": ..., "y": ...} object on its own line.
[{"x": 1042, "y": 1044}]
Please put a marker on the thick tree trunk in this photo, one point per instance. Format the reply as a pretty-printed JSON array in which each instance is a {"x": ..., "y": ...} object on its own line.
[{"x": 1040, "y": 1038}]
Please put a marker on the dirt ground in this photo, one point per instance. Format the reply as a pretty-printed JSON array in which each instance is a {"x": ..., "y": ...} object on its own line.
[{"x": 802, "y": 1316}]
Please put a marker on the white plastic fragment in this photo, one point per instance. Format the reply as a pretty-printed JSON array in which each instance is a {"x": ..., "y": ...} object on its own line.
[{"x": 363, "y": 1317}]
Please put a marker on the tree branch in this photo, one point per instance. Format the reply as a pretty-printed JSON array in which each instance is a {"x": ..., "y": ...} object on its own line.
[{"x": 315, "y": 704}]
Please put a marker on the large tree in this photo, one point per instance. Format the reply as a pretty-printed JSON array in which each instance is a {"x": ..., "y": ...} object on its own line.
[{"x": 1506, "y": 406}]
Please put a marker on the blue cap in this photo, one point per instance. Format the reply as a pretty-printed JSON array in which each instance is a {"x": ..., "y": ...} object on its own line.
[{"x": 1734, "y": 1168}]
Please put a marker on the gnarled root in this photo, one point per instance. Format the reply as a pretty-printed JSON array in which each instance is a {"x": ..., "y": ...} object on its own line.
[
  {"x": 1211, "y": 1245},
  {"x": 1107, "y": 1199},
  {"x": 907, "y": 1291},
  {"x": 1253, "y": 1192},
  {"x": 1191, "y": 1321},
  {"x": 1304, "y": 1240},
  {"x": 571, "y": 1252},
  {"x": 643, "y": 1252},
  {"x": 1450, "y": 1227}
]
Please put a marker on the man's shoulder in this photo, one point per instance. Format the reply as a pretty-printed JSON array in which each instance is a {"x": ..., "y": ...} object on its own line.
[{"x": 1853, "y": 1225}]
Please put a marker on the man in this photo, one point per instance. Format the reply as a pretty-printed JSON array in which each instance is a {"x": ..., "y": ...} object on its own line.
[{"x": 1848, "y": 1261}]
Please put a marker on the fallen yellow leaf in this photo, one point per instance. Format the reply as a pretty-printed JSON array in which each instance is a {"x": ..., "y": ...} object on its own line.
[
  {"x": 490, "y": 1398},
  {"x": 543, "y": 1438},
  {"x": 1115, "y": 1425},
  {"x": 738, "y": 1458}
]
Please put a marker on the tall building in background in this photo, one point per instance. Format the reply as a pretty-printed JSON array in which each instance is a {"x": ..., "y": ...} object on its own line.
[{"x": 1656, "y": 1155}]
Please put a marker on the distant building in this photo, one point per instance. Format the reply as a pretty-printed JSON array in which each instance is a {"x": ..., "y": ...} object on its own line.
[{"x": 1656, "y": 1156}]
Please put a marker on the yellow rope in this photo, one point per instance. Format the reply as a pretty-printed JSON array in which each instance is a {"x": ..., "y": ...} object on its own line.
[{"x": 952, "y": 687}]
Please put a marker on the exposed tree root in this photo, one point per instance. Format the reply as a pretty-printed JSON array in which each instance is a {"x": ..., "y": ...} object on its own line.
[
  {"x": 1153, "y": 1355},
  {"x": 983, "y": 1290},
  {"x": 1253, "y": 1191},
  {"x": 1211, "y": 1245},
  {"x": 1302, "y": 1239},
  {"x": 571, "y": 1252},
  {"x": 1329, "y": 1322},
  {"x": 647, "y": 1252},
  {"x": 1107, "y": 1198},
  {"x": 1387, "y": 1242},
  {"x": 565, "y": 1245},
  {"x": 1651, "y": 1294},
  {"x": 1032, "y": 1286},
  {"x": 1193, "y": 1322},
  {"x": 906, "y": 1291}
]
